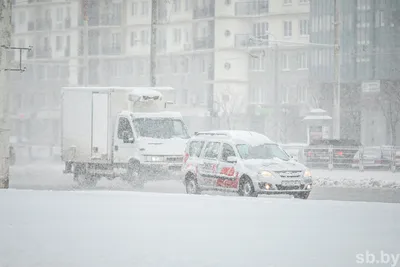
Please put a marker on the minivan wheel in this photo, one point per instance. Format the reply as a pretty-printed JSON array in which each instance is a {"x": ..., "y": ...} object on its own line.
[
  {"x": 247, "y": 189},
  {"x": 192, "y": 187},
  {"x": 303, "y": 195}
]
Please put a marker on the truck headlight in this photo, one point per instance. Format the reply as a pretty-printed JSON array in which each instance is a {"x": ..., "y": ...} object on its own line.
[
  {"x": 154, "y": 158},
  {"x": 307, "y": 174},
  {"x": 266, "y": 174}
]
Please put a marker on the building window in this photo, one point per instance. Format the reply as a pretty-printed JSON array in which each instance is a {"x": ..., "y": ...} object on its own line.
[
  {"x": 21, "y": 42},
  {"x": 363, "y": 4},
  {"x": 145, "y": 8},
  {"x": 174, "y": 66},
  {"x": 257, "y": 94},
  {"x": 60, "y": 14},
  {"x": 302, "y": 93},
  {"x": 116, "y": 40},
  {"x": 177, "y": 36},
  {"x": 285, "y": 62},
  {"x": 58, "y": 43},
  {"x": 304, "y": 1},
  {"x": 21, "y": 17},
  {"x": 203, "y": 65},
  {"x": 177, "y": 5},
  {"x": 302, "y": 61},
  {"x": 133, "y": 38},
  {"x": 287, "y": 28},
  {"x": 260, "y": 29},
  {"x": 134, "y": 10},
  {"x": 303, "y": 26},
  {"x": 287, "y": 2},
  {"x": 379, "y": 19},
  {"x": 144, "y": 36},
  {"x": 257, "y": 63}
]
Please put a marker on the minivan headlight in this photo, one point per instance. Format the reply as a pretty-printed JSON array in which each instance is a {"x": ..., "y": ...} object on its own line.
[
  {"x": 266, "y": 174},
  {"x": 307, "y": 174}
]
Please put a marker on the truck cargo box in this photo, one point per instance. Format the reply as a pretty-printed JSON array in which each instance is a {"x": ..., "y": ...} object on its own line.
[
  {"x": 88, "y": 119},
  {"x": 87, "y": 122}
]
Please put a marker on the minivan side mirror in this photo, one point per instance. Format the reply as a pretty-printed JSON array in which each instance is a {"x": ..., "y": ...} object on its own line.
[
  {"x": 231, "y": 159},
  {"x": 127, "y": 137}
]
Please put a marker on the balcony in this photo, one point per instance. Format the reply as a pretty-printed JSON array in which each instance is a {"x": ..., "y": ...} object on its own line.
[
  {"x": 245, "y": 41},
  {"x": 203, "y": 43},
  {"x": 43, "y": 52},
  {"x": 44, "y": 24},
  {"x": 111, "y": 50},
  {"x": 93, "y": 50},
  {"x": 254, "y": 8},
  {"x": 110, "y": 20},
  {"x": 203, "y": 12}
]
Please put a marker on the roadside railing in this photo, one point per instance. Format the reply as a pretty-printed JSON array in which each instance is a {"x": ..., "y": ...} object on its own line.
[{"x": 346, "y": 157}]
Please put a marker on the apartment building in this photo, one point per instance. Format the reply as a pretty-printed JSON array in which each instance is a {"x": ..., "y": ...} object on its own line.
[
  {"x": 204, "y": 50},
  {"x": 50, "y": 27},
  {"x": 369, "y": 51}
]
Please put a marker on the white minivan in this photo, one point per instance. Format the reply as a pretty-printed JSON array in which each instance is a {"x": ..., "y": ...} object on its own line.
[{"x": 244, "y": 162}]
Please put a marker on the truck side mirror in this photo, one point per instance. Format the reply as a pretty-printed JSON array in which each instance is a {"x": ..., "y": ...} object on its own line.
[{"x": 127, "y": 137}]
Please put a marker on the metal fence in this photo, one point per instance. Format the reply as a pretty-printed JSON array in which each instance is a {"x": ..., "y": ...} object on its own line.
[{"x": 335, "y": 157}]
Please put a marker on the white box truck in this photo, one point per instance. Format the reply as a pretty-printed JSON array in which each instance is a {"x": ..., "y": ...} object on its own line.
[{"x": 121, "y": 132}]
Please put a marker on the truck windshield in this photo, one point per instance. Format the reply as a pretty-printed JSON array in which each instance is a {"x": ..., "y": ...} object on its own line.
[
  {"x": 265, "y": 151},
  {"x": 160, "y": 128}
]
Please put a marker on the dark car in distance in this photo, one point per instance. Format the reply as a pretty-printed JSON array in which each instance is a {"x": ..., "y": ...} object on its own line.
[{"x": 317, "y": 154}]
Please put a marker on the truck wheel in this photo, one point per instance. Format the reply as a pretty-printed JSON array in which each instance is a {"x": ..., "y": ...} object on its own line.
[
  {"x": 134, "y": 176},
  {"x": 86, "y": 181},
  {"x": 82, "y": 178},
  {"x": 303, "y": 195}
]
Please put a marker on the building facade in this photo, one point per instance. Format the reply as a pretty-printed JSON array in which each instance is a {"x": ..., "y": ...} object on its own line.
[
  {"x": 369, "y": 49},
  {"x": 204, "y": 50}
]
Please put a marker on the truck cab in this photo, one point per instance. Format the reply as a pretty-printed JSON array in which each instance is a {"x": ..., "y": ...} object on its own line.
[{"x": 154, "y": 140}]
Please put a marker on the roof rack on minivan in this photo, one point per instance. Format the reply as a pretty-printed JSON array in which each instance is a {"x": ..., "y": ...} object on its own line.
[{"x": 210, "y": 133}]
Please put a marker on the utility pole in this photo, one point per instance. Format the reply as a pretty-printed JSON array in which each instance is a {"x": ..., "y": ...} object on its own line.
[
  {"x": 276, "y": 94},
  {"x": 153, "y": 42},
  {"x": 5, "y": 41},
  {"x": 85, "y": 6},
  {"x": 337, "y": 89}
]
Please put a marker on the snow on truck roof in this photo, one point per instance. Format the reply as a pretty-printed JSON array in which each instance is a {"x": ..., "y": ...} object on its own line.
[
  {"x": 161, "y": 114},
  {"x": 245, "y": 137},
  {"x": 119, "y": 88}
]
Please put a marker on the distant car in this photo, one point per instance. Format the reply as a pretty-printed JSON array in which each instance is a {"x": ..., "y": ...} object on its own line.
[
  {"x": 317, "y": 153},
  {"x": 12, "y": 156},
  {"x": 247, "y": 163},
  {"x": 373, "y": 157}
]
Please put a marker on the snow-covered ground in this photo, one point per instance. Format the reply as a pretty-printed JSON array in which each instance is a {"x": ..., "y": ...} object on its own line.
[
  {"x": 355, "y": 178},
  {"x": 44, "y": 173},
  {"x": 73, "y": 229}
]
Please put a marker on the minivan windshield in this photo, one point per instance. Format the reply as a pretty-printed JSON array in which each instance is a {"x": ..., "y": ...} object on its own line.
[
  {"x": 264, "y": 151},
  {"x": 163, "y": 128}
]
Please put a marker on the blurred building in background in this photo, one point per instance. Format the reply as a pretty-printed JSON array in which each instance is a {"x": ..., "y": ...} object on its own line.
[
  {"x": 370, "y": 64},
  {"x": 204, "y": 50}
]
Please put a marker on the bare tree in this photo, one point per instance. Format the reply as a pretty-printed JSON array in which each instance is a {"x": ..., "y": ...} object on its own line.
[
  {"x": 229, "y": 104},
  {"x": 389, "y": 101}
]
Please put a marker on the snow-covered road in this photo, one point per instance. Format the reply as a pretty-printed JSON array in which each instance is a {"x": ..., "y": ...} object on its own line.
[
  {"x": 98, "y": 228},
  {"x": 329, "y": 185}
]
